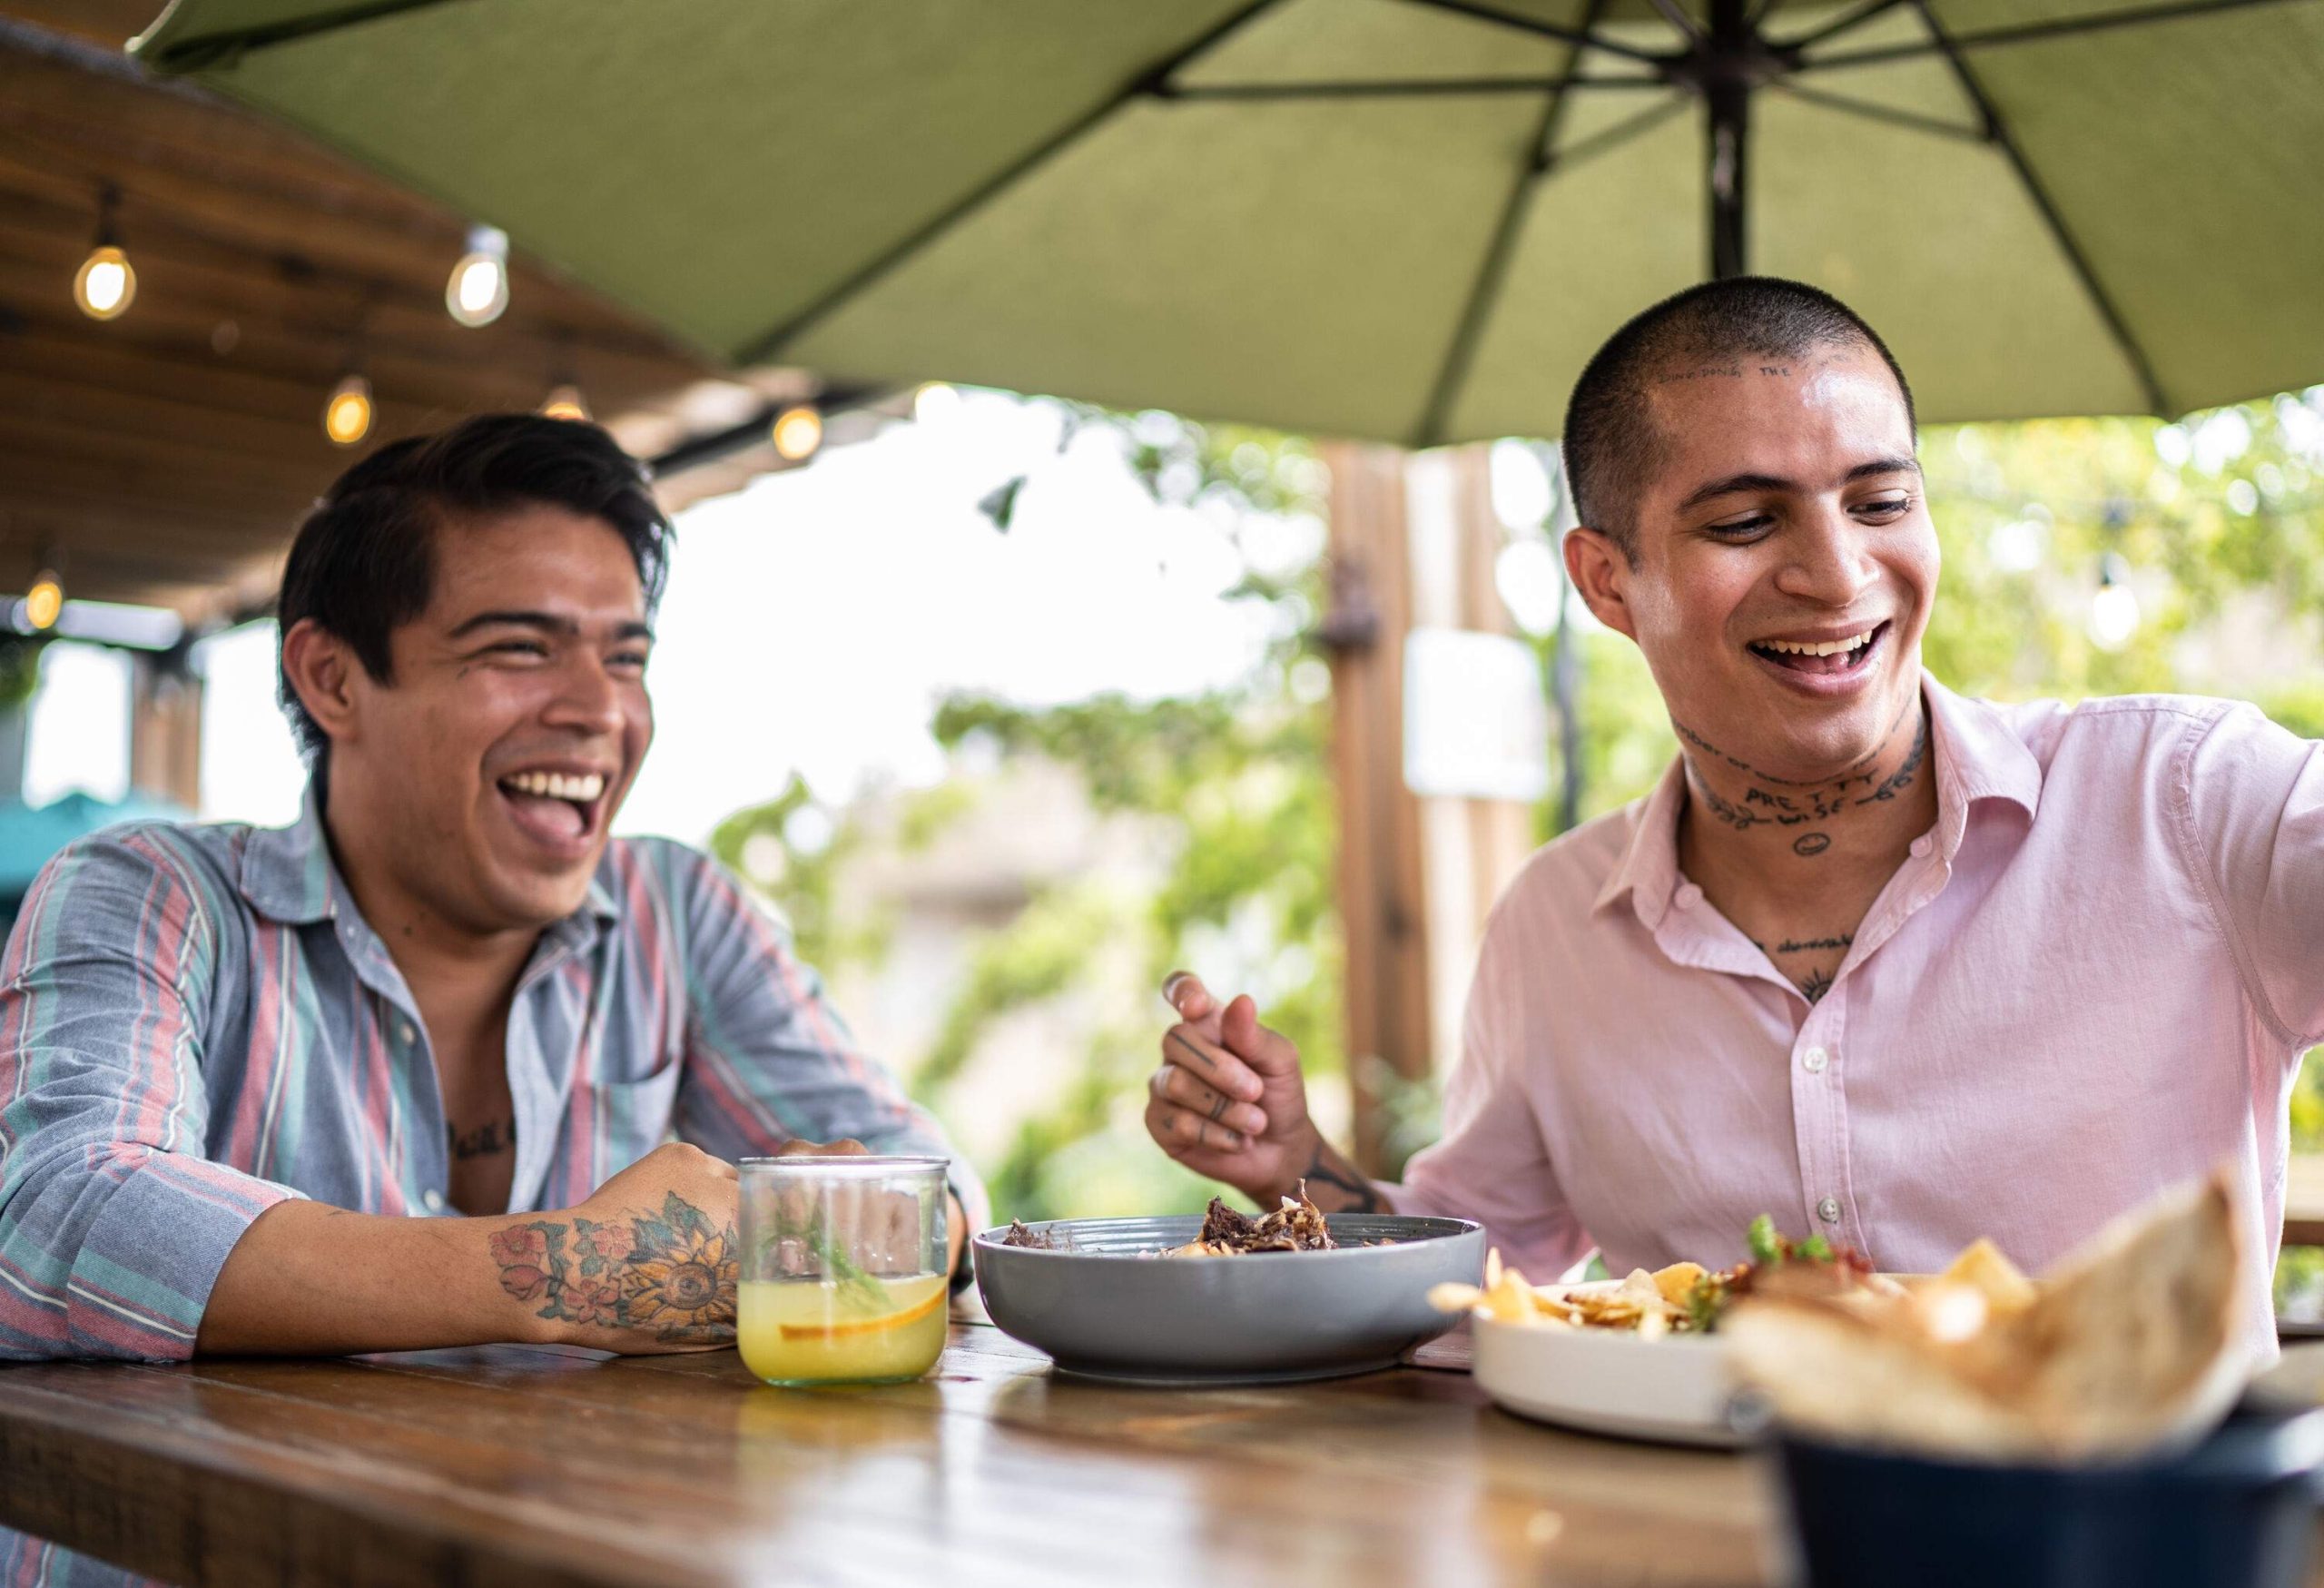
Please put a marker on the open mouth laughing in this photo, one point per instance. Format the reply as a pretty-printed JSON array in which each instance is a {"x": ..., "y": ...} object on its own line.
[
  {"x": 562, "y": 809},
  {"x": 1822, "y": 663}
]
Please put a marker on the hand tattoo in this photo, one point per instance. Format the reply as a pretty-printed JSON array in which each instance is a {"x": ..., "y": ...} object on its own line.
[
  {"x": 668, "y": 1272},
  {"x": 1362, "y": 1196}
]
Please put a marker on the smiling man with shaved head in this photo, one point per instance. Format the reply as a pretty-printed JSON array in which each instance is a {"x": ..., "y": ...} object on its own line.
[
  {"x": 443, "y": 1061},
  {"x": 1898, "y": 967}
]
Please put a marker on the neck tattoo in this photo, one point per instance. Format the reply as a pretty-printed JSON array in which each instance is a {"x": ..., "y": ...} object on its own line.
[{"x": 1780, "y": 802}]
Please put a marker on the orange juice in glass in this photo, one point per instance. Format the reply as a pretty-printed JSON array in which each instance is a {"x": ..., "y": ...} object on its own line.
[{"x": 843, "y": 1268}]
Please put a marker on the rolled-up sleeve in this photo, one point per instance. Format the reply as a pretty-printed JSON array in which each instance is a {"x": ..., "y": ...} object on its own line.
[
  {"x": 768, "y": 1061},
  {"x": 2251, "y": 794},
  {"x": 114, "y": 1224}
]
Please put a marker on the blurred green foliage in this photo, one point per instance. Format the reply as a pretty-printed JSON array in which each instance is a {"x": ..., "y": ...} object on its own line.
[{"x": 2217, "y": 523}]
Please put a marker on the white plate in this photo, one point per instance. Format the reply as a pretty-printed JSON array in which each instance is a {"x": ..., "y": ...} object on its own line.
[{"x": 1673, "y": 1390}]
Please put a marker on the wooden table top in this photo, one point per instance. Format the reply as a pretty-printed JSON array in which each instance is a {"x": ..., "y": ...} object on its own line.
[
  {"x": 527, "y": 1466},
  {"x": 515, "y": 1464}
]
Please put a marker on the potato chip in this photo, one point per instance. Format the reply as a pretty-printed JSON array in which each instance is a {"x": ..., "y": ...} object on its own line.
[
  {"x": 1983, "y": 1269},
  {"x": 1677, "y": 1283}
]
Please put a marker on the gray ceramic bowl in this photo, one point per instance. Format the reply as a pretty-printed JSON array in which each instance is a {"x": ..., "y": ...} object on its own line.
[{"x": 1106, "y": 1309}]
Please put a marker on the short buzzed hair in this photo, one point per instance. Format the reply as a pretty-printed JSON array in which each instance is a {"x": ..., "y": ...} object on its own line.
[{"x": 1611, "y": 445}]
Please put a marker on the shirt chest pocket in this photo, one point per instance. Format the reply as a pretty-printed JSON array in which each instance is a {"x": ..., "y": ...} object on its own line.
[{"x": 632, "y": 1117}]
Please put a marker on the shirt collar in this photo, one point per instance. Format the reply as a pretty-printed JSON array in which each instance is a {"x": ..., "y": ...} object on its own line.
[
  {"x": 288, "y": 873},
  {"x": 1978, "y": 757},
  {"x": 1649, "y": 868}
]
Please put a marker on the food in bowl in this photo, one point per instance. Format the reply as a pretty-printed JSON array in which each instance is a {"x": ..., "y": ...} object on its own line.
[
  {"x": 1297, "y": 1226},
  {"x": 1682, "y": 1298}
]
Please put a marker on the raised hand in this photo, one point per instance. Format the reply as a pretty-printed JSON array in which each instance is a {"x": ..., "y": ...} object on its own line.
[{"x": 1230, "y": 1103}]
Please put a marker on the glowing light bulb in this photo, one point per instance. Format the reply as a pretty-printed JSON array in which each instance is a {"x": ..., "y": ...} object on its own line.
[
  {"x": 798, "y": 431},
  {"x": 566, "y": 402},
  {"x": 479, "y": 289},
  {"x": 106, "y": 284},
  {"x": 347, "y": 417},
  {"x": 933, "y": 402},
  {"x": 45, "y": 601}
]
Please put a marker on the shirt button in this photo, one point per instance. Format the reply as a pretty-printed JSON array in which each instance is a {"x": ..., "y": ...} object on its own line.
[
  {"x": 1814, "y": 1059},
  {"x": 432, "y": 1199},
  {"x": 1828, "y": 1210},
  {"x": 405, "y": 1034},
  {"x": 1689, "y": 896},
  {"x": 1921, "y": 845}
]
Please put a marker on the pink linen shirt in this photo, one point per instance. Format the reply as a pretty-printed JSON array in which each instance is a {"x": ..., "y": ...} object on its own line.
[{"x": 2092, "y": 978}]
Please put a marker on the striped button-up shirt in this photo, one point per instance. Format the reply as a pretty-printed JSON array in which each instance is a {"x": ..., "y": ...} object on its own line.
[{"x": 196, "y": 1022}]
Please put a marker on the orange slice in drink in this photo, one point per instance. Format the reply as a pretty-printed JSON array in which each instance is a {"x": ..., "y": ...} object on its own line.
[{"x": 869, "y": 1326}]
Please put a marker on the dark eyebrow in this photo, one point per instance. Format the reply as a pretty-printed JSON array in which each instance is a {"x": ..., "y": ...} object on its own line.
[
  {"x": 547, "y": 623},
  {"x": 1765, "y": 482},
  {"x": 540, "y": 620},
  {"x": 1733, "y": 483}
]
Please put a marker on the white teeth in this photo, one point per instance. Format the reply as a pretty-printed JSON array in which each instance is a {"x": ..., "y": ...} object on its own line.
[
  {"x": 556, "y": 785},
  {"x": 1823, "y": 648}
]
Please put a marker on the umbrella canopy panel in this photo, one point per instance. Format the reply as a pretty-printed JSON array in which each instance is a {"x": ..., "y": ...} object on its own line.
[{"x": 1401, "y": 218}]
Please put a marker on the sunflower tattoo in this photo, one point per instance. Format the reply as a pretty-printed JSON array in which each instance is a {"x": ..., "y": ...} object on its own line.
[{"x": 669, "y": 1272}]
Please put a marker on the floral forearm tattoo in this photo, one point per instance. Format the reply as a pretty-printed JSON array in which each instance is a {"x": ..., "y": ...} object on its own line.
[{"x": 668, "y": 1273}]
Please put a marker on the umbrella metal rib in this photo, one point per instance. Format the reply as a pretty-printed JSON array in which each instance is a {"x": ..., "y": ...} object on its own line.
[
  {"x": 2140, "y": 365},
  {"x": 1486, "y": 289},
  {"x": 2031, "y": 32},
  {"x": 1153, "y": 81}
]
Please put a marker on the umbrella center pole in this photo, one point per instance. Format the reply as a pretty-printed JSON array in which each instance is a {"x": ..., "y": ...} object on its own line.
[{"x": 1726, "y": 59}]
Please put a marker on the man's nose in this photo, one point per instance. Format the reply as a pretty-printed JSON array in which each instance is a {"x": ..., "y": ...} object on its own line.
[
  {"x": 587, "y": 698},
  {"x": 1829, "y": 560}
]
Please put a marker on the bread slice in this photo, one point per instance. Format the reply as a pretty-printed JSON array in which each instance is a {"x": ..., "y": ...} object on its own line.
[{"x": 2131, "y": 1345}]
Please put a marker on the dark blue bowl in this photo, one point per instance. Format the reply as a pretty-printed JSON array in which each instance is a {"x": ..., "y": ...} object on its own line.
[{"x": 2235, "y": 1510}]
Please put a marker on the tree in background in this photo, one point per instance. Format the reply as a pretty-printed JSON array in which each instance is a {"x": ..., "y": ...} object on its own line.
[{"x": 2206, "y": 537}]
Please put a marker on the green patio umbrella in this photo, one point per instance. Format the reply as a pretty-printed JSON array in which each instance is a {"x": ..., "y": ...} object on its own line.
[{"x": 1408, "y": 220}]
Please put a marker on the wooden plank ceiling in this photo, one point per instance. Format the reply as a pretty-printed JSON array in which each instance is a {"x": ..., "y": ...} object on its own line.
[{"x": 165, "y": 457}]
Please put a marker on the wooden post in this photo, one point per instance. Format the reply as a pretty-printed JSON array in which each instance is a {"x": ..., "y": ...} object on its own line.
[
  {"x": 1501, "y": 832},
  {"x": 165, "y": 731},
  {"x": 1382, "y": 911},
  {"x": 1470, "y": 847}
]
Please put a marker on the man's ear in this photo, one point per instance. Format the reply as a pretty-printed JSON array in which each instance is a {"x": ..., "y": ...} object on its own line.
[
  {"x": 322, "y": 670},
  {"x": 1600, "y": 570}
]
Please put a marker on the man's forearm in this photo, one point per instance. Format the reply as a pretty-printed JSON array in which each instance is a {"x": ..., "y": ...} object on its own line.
[
  {"x": 306, "y": 1280},
  {"x": 1334, "y": 1184}
]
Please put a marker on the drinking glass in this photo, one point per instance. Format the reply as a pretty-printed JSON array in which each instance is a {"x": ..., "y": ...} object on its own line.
[{"x": 844, "y": 1274}]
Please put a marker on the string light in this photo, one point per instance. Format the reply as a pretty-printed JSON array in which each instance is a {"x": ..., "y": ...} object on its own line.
[
  {"x": 798, "y": 431},
  {"x": 565, "y": 401},
  {"x": 45, "y": 601},
  {"x": 106, "y": 284},
  {"x": 934, "y": 401},
  {"x": 477, "y": 291},
  {"x": 347, "y": 417},
  {"x": 2114, "y": 609}
]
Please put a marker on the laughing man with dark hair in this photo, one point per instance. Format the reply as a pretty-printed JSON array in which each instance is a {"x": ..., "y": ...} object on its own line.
[
  {"x": 1901, "y": 968},
  {"x": 331, "y": 1088}
]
